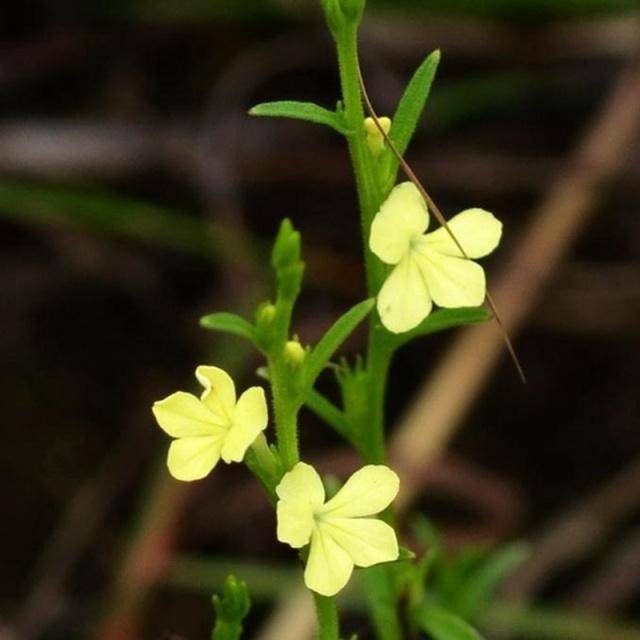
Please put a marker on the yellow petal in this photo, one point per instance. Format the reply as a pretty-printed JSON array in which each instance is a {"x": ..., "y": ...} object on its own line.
[
  {"x": 193, "y": 458},
  {"x": 402, "y": 217},
  {"x": 454, "y": 282},
  {"x": 295, "y": 523},
  {"x": 367, "y": 492},
  {"x": 367, "y": 541},
  {"x": 477, "y": 230},
  {"x": 301, "y": 494},
  {"x": 182, "y": 415},
  {"x": 329, "y": 567},
  {"x": 404, "y": 301},
  {"x": 219, "y": 393},
  {"x": 249, "y": 419},
  {"x": 302, "y": 484}
]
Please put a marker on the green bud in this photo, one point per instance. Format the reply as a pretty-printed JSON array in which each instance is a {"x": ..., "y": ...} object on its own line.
[
  {"x": 231, "y": 609},
  {"x": 333, "y": 14},
  {"x": 265, "y": 315},
  {"x": 286, "y": 249},
  {"x": 352, "y": 9},
  {"x": 294, "y": 352}
]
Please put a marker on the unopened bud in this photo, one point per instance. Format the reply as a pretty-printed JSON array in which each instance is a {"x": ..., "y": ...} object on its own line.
[
  {"x": 294, "y": 352},
  {"x": 375, "y": 139},
  {"x": 266, "y": 314},
  {"x": 352, "y": 9}
]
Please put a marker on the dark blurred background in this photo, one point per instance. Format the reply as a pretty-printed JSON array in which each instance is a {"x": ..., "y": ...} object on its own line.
[{"x": 136, "y": 194}]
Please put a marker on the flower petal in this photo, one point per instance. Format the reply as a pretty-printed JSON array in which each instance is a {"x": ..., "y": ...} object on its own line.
[
  {"x": 193, "y": 458},
  {"x": 182, "y": 415},
  {"x": 219, "y": 393},
  {"x": 367, "y": 492},
  {"x": 367, "y": 541},
  {"x": 477, "y": 230},
  {"x": 249, "y": 419},
  {"x": 302, "y": 484},
  {"x": 329, "y": 567},
  {"x": 402, "y": 217},
  {"x": 454, "y": 282},
  {"x": 295, "y": 523},
  {"x": 301, "y": 494},
  {"x": 404, "y": 301}
]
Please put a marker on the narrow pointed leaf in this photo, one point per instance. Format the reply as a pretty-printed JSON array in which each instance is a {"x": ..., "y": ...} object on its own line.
[
  {"x": 332, "y": 340},
  {"x": 443, "y": 319},
  {"x": 441, "y": 624},
  {"x": 302, "y": 111},
  {"x": 229, "y": 323},
  {"x": 412, "y": 103}
]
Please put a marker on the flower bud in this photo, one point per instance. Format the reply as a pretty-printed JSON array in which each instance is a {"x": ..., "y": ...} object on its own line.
[
  {"x": 352, "y": 9},
  {"x": 266, "y": 314},
  {"x": 375, "y": 139},
  {"x": 294, "y": 352}
]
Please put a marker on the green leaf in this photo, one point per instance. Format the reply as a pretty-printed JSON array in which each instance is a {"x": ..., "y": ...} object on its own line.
[
  {"x": 412, "y": 103},
  {"x": 443, "y": 319},
  {"x": 478, "y": 588},
  {"x": 231, "y": 609},
  {"x": 337, "y": 334},
  {"x": 328, "y": 412},
  {"x": 230, "y": 323},
  {"x": 441, "y": 624},
  {"x": 302, "y": 111}
]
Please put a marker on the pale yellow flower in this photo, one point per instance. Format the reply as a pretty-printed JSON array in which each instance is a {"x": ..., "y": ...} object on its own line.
[
  {"x": 341, "y": 536},
  {"x": 429, "y": 267},
  {"x": 212, "y": 427},
  {"x": 375, "y": 139}
]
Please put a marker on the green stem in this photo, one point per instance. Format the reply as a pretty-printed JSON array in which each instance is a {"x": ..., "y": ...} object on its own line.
[
  {"x": 285, "y": 410},
  {"x": 370, "y": 196},
  {"x": 327, "y": 616},
  {"x": 368, "y": 191},
  {"x": 378, "y": 361}
]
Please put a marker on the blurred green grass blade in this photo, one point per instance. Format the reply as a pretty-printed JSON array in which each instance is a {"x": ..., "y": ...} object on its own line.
[
  {"x": 104, "y": 213},
  {"x": 441, "y": 624},
  {"x": 547, "y": 623},
  {"x": 479, "y": 587}
]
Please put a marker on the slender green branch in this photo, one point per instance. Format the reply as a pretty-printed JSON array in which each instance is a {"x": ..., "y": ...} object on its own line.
[{"x": 327, "y": 411}]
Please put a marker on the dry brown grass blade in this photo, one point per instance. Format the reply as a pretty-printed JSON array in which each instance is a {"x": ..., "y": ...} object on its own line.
[{"x": 439, "y": 217}]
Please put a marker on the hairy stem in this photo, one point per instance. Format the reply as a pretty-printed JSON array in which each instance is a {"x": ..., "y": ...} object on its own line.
[{"x": 327, "y": 615}]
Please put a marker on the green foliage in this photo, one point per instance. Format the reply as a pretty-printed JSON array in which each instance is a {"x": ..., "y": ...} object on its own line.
[
  {"x": 307, "y": 111},
  {"x": 231, "y": 609},
  {"x": 449, "y": 593},
  {"x": 104, "y": 213},
  {"x": 441, "y": 624},
  {"x": 412, "y": 104},
  {"x": 335, "y": 336},
  {"x": 443, "y": 319},
  {"x": 230, "y": 323}
]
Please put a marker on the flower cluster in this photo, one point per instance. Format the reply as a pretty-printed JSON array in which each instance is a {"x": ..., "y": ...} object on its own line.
[
  {"x": 217, "y": 426},
  {"x": 340, "y": 533}
]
